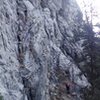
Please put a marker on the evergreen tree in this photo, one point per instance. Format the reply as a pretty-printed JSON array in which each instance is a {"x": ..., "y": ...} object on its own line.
[{"x": 92, "y": 62}]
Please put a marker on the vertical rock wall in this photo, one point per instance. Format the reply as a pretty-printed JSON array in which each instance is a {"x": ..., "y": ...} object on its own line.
[{"x": 39, "y": 49}]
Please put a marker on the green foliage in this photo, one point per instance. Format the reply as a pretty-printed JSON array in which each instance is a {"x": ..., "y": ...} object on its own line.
[{"x": 1, "y": 97}]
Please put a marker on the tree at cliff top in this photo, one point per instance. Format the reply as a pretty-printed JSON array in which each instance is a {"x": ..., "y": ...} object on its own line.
[{"x": 92, "y": 60}]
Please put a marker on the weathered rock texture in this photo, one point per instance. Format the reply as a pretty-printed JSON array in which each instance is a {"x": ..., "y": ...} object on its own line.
[{"x": 39, "y": 46}]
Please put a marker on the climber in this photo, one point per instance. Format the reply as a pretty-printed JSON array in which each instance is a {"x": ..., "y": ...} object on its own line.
[
  {"x": 67, "y": 87},
  {"x": 67, "y": 83}
]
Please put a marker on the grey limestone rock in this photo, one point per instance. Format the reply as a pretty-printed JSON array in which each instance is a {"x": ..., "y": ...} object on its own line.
[{"x": 37, "y": 45}]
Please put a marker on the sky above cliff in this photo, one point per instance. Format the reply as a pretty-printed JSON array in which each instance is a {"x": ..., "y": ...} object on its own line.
[{"x": 86, "y": 5}]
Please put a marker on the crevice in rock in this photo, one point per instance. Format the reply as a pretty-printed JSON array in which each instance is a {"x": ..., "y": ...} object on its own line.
[
  {"x": 22, "y": 19},
  {"x": 43, "y": 3},
  {"x": 29, "y": 90},
  {"x": 4, "y": 43}
]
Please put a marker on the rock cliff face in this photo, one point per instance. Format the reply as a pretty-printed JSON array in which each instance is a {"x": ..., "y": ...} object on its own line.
[{"x": 39, "y": 46}]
